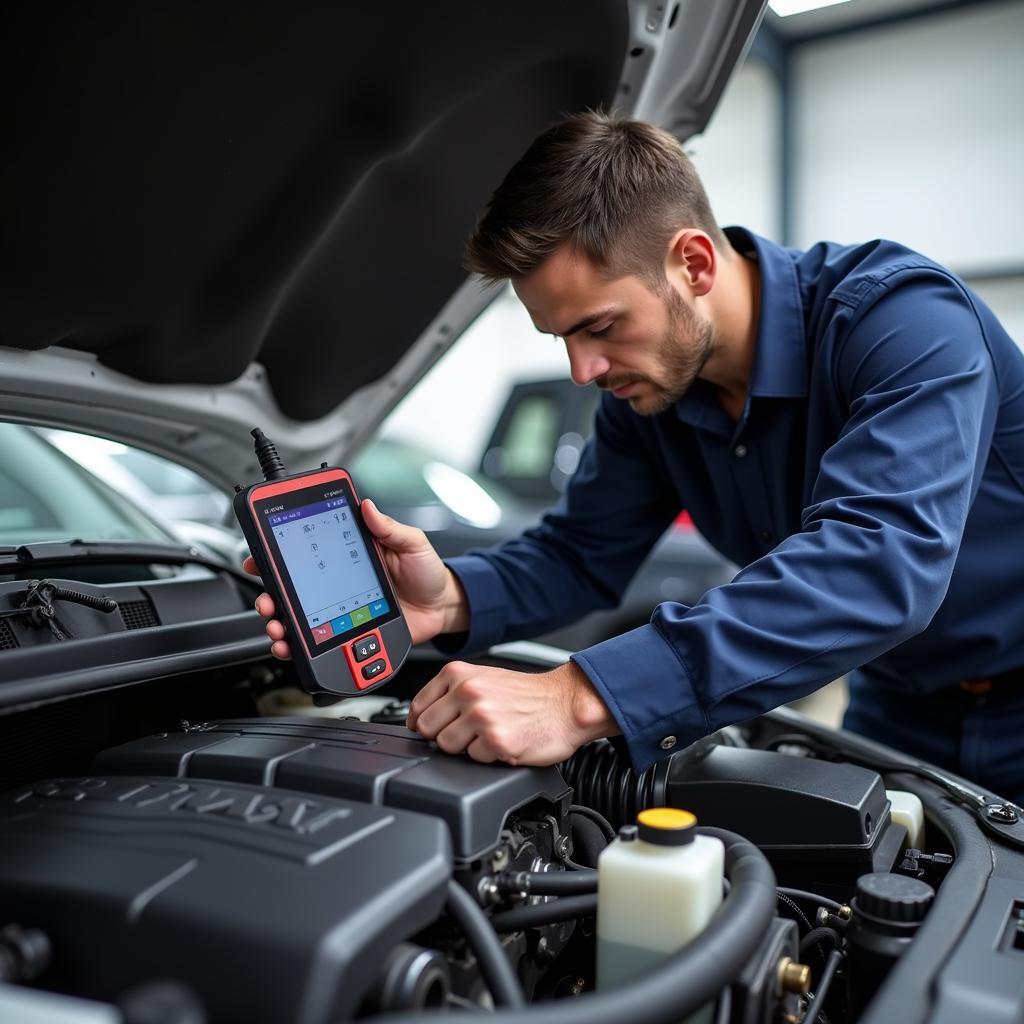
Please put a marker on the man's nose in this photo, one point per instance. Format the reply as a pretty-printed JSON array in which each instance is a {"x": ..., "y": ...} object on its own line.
[{"x": 585, "y": 367}]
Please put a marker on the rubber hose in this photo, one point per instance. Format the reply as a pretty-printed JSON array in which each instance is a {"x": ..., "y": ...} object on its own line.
[
  {"x": 820, "y": 994},
  {"x": 604, "y": 780},
  {"x": 588, "y": 840},
  {"x": 723, "y": 1014},
  {"x": 535, "y": 914},
  {"x": 688, "y": 979},
  {"x": 816, "y": 936},
  {"x": 598, "y": 819},
  {"x": 548, "y": 883},
  {"x": 483, "y": 940}
]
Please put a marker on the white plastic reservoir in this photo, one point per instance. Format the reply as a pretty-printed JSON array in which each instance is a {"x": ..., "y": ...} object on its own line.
[
  {"x": 906, "y": 809},
  {"x": 658, "y": 885}
]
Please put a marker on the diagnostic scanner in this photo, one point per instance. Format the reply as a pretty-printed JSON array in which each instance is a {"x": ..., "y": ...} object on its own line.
[{"x": 322, "y": 567}]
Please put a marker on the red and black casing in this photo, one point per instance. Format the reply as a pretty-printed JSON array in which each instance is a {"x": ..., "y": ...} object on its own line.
[{"x": 334, "y": 666}]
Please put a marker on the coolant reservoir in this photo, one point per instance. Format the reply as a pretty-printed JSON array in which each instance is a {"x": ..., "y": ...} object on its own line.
[
  {"x": 907, "y": 809},
  {"x": 658, "y": 885}
]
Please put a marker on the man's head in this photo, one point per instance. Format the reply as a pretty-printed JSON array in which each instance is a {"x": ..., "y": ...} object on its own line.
[{"x": 607, "y": 236}]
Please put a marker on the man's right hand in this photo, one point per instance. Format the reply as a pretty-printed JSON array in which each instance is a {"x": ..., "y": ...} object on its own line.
[{"x": 431, "y": 597}]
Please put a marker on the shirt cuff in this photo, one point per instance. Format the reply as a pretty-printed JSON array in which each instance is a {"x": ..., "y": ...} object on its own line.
[
  {"x": 485, "y": 594},
  {"x": 641, "y": 671}
]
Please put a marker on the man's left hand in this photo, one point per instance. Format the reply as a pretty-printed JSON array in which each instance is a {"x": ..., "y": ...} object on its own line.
[{"x": 493, "y": 714}]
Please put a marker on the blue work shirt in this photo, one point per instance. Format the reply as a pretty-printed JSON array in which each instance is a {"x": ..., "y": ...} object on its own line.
[{"x": 873, "y": 489}]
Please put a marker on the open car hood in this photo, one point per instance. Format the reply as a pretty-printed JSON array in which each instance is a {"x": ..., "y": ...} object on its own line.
[{"x": 225, "y": 216}]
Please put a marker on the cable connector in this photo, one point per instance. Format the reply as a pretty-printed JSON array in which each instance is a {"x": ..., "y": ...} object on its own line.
[{"x": 271, "y": 465}]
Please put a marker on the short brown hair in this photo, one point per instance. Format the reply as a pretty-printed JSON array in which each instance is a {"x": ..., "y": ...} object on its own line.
[{"x": 616, "y": 189}]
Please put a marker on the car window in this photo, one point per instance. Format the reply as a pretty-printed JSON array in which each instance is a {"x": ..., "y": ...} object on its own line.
[
  {"x": 530, "y": 437},
  {"x": 170, "y": 492},
  {"x": 452, "y": 411},
  {"x": 46, "y": 496}
]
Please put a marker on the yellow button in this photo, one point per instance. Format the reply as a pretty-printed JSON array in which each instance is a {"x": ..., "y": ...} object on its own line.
[{"x": 666, "y": 818}]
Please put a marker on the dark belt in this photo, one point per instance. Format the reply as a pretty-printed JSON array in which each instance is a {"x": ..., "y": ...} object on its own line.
[{"x": 1003, "y": 686}]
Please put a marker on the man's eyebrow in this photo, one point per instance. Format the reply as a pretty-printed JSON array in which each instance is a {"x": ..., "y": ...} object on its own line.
[{"x": 587, "y": 321}]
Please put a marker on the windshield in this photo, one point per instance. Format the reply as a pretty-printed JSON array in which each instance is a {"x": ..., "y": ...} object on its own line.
[{"x": 45, "y": 496}]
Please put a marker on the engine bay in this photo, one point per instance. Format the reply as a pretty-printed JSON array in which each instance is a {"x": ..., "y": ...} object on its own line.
[
  {"x": 316, "y": 869},
  {"x": 185, "y": 838}
]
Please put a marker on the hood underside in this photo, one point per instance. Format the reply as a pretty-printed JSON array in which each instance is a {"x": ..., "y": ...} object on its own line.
[{"x": 268, "y": 203}]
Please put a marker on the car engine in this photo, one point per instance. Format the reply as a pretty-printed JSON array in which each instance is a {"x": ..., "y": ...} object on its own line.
[{"x": 319, "y": 870}]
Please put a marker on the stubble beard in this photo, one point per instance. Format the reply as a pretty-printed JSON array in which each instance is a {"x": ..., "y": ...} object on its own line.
[{"x": 685, "y": 347}]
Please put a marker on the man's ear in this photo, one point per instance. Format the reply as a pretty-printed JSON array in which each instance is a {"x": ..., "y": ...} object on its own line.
[{"x": 692, "y": 260}]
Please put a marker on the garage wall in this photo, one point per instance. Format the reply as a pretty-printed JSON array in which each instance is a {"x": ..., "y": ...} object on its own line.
[
  {"x": 914, "y": 131},
  {"x": 739, "y": 156}
]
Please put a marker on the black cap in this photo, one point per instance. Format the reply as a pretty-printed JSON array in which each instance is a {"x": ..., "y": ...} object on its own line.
[
  {"x": 666, "y": 826},
  {"x": 893, "y": 898}
]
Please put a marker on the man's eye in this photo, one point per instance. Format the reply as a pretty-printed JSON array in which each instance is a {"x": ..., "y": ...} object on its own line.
[{"x": 601, "y": 332}]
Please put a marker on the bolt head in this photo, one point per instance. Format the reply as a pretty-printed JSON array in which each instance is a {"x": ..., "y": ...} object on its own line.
[{"x": 1005, "y": 814}]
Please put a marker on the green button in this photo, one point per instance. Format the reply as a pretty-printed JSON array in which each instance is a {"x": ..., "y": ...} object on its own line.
[{"x": 361, "y": 615}]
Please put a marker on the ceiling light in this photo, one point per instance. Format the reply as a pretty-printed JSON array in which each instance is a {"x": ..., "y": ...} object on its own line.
[{"x": 784, "y": 8}]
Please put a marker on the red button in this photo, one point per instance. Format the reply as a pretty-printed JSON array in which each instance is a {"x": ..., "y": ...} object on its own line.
[{"x": 322, "y": 633}]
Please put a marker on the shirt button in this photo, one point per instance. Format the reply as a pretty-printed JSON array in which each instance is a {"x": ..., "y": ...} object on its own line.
[
  {"x": 668, "y": 743},
  {"x": 739, "y": 451}
]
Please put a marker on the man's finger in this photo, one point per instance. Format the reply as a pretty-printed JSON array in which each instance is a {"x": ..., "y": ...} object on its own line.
[
  {"x": 275, "y": 630},
  {"x": 265, "y": 605},
  {"x": 280, "y": 650},
  {"x": 433, "y": 691},
  {"x": 455, "y": 737},
  {"x": 249, "y": 566},
  {"x": 480, "y": 751},
  {"x": 438, "y": 717}
]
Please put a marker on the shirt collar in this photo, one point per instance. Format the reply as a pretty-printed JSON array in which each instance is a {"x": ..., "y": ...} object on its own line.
[{"x": 780, "y": 360}]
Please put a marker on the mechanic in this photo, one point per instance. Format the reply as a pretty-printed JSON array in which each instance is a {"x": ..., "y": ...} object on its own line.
[{"x": 845, "y": 422}]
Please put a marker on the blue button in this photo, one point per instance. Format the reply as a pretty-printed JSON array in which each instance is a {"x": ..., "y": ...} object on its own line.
[
  {"x": 379, "y": 608},
  {"x": 342, "y": 624}
]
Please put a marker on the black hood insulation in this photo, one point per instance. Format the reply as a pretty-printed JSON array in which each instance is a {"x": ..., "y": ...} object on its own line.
[{"x": 189, "y": 188}]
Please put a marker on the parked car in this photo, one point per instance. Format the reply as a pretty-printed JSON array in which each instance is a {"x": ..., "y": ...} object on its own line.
[
  {"x": 533, "y": 451},
  {"x": 226, "y": 216}
]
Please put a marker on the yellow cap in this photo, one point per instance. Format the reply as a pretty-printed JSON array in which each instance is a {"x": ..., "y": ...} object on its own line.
[{"x": 666, "y": 826}]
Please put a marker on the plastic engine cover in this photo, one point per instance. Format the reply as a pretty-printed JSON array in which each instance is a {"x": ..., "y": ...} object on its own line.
[
  {"x": 271, "y": 905},
  {"x": 379, "y": 764}
]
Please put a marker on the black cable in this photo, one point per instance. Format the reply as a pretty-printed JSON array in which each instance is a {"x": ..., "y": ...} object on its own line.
[
  {"x": 490, "y": 955},
  {"x": 548, "y": 883},
  {"x": 573, "y": 865},
  {"x": 820, "y": 994},
  {"x": 795, "y": 907},
  {"x": 815, "y": 937},
  {"x": 724, "y": 1010},
  {"x": 533, "y": 915},
  {"x": 598, "y": 819},
  {"x": 821, "y": 901},
  {"x": 689, "y": 978}
]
